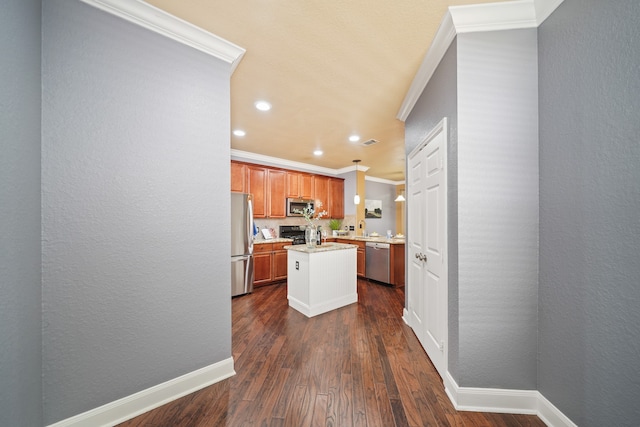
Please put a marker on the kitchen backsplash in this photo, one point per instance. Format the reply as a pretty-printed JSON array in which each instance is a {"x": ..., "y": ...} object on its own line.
[{"x": 349, "y": 220}]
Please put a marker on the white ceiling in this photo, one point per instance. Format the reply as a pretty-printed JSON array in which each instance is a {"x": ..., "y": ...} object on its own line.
[{"x": 329, "y": 68}]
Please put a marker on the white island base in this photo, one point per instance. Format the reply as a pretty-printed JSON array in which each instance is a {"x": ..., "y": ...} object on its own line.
[{"x": 321, "y": 279}]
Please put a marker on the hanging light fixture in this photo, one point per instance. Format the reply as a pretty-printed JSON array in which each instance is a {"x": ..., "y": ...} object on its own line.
[
  {"x": 356, "y": 198},
  {"x": 400, "y": 198}
]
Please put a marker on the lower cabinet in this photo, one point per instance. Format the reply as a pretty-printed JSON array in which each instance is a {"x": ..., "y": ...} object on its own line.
[{"x": 269, "y": 263}]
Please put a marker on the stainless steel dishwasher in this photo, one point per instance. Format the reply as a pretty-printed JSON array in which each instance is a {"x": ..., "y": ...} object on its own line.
[{"x": 377, "y": 261}]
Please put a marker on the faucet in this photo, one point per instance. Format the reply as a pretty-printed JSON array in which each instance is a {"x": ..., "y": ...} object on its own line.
[{"x": 363, "y": 225}]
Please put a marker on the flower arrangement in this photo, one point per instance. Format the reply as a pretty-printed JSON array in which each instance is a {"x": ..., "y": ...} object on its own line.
[{"x": 310, "y": 215}]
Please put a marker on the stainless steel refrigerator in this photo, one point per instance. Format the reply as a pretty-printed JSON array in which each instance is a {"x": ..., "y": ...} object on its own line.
[{"x": 241, "y": 244}]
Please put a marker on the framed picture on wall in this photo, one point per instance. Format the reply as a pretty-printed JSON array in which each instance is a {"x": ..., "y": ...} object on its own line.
[{"x": 373, "y": 209}]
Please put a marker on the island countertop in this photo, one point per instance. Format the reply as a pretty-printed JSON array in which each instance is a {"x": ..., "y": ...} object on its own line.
[{"x": 325, "y": 247}]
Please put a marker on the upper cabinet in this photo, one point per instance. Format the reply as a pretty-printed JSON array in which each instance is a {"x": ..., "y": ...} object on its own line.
[
  {"x": 238, "y": 177},
  {"x": 321, "y": 193},
  {"x": 276, "y": 194},
  {"x": 299, "y": 185},
  {"x": 271, "y": 187},
  {"x": 257, "y": 186},
  {"x": 336, "y": 197}
]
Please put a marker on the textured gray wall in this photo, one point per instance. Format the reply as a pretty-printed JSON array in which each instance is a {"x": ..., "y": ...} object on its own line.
[
  {"x": 438, "y": 100},
  {"x": 386, "y": 193},
  {"x": 590, "y": 211},
  {"x": 135, "y": 204},
  {"x": 498, "y": 208},
  {"x": 20, "y": 280}
]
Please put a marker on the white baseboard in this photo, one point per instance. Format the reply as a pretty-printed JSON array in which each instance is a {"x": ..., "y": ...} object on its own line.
[
  {"x": 131, "y": 406},
  {"x": 405, "y": 317},
  {"x": 505, "y": 401}
]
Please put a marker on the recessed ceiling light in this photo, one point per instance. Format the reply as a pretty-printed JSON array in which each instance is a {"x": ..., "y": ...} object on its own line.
[
  {"x": 354, "y": 138},
  {"x": 263, "y": 105},
  {"x": 239, "y": 132},
  {"x": 317, "y": 153}
]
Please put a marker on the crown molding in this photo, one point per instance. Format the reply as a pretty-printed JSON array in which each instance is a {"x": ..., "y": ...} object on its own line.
[
  {"x": 161, "y": 22},
  {"x": 468, "y": 19},
  {"x": 262, "y": 159},
  {"x": 382, "y": 180},
  {"x": 246, "y": 155}
]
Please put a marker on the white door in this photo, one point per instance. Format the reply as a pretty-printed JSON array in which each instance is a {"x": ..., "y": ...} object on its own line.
[{"x": 427, "y": 232}]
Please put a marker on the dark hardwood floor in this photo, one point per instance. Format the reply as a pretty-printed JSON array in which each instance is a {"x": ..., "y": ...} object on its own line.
[{"x": 356, "y": 366}]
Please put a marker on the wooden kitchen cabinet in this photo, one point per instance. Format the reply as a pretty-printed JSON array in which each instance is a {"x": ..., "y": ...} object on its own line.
[
  {"x": 269, "y": 263},
  {"x": 238, "y": 177},
  {"x": 299, "y": 185},
  {"x": 257, "y": 186},
  {"x": 336, "y": 198},
  {"x": 396, "y": 269},
  {"x": 321, "y": 193},
  {"x": 276, "y": 194},
  {"x": 262, "y": 260},
  {"x": 279, "y": 261},
  {"x": 306, "y": 186}
]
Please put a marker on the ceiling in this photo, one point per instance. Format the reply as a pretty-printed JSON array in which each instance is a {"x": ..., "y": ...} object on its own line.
[{"x": 329, "y": 68}]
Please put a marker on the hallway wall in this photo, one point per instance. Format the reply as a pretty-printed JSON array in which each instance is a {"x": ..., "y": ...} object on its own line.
[
  {"x": 589, "y": 328},
  {"x": 135, "y": 201},
  {"x": 20, "y": 278}
]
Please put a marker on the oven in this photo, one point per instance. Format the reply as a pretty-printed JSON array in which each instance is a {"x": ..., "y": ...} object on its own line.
[{"x": 295, "y": 232}]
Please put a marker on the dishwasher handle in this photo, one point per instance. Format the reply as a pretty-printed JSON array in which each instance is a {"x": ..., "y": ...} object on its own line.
[{"x": 377, "y": 245}]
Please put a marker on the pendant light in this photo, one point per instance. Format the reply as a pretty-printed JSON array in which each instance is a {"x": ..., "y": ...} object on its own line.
[
  {"x": 356, "y": 198},
  {"x": 400, "y": 198}
]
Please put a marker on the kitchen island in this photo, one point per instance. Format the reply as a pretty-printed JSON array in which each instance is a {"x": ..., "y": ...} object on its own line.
[{"x": 322, "y": 278}]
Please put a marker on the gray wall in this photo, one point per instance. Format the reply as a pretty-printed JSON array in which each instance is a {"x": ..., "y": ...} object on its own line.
[
  {"x": 20, "y": 304},
  {"x": 135, "y": 204},
  {"x": 486, "y": 85},
  {"x": 589, "y": 339},
  {"x": 438, "y": 100},
  {"x": 498, "y": 208},
  {"x": 386, "y": 193}
]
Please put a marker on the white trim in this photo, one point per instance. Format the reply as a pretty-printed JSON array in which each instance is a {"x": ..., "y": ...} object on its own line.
[
  {"x": 246, "y": 155},
  {"x": 382, "y": 180},
  {"x": 505, "y": 401},
  {"x": 493, "y": 16},
  {"x": 544, "y": 8},
  {"x": 444, "y": 36},
  {"x": 551, "y": 415},
  {"x": 131, "y": 406},
  {"x": 161, "y": 22},
  {"x": 406, "y": 317},
  {"x": 473, "y": 18}
]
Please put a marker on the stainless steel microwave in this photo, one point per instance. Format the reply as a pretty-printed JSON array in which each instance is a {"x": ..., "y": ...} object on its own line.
[{"x": 295, "y": 206}]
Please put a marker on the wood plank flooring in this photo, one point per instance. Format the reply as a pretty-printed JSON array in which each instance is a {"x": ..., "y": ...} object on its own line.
[{"x": 356, "y": 366}]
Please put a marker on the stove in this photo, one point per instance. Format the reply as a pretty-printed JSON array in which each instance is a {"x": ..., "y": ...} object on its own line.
[{"x": 295, "y": 232}]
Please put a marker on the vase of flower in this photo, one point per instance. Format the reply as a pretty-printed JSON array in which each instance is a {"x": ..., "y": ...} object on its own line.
[
  {"x": 310, "y": 236},
  {"x": 312, "y": 217}
]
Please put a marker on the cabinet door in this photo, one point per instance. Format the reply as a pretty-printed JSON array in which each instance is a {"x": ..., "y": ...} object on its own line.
[
  {"x": 257, "y": 186},
  {"x": 321, "y": 193},
  {"x": 306, "y": 186},
  {"x": 276, "y": 191},
  {"x": 238, "y": 177},
  {"x": 262, "y": 268},
  {"x": 336, "y": 197},
  {"x": 279, "y": 265},
  {"x": 293, "y": 184},
  {"x": 361, "y": 262}
]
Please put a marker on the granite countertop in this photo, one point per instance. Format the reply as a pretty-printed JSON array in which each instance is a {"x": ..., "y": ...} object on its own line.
[
  {"x": 380, "y": 239},
  {"x": 325, "y": 247},
  {"x": 276, "y": 240}
]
